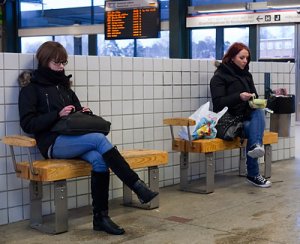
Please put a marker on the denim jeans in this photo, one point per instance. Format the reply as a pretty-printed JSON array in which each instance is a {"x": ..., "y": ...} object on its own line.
[
  {"x": 254, "y": 131},
  {"x": 89, "y": 147}
]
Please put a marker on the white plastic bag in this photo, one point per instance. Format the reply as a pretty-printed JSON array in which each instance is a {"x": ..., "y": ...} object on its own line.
[{"x": 205, "y": 123}]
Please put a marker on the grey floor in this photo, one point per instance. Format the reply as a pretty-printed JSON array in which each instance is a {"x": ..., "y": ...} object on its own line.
[{"x": 235, "y": 213}]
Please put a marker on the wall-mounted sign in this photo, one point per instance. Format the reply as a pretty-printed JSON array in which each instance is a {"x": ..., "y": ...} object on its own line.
[{"x": 244, "y": 18}]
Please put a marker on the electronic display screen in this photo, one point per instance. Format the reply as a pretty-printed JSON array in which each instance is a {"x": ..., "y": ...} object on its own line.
[{"x": 132, "y": 19}]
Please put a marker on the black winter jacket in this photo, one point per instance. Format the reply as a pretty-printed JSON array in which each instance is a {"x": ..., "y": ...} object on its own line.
[
  {"x": 225, "y": 87},
  {"x": 40, "y": 102}
]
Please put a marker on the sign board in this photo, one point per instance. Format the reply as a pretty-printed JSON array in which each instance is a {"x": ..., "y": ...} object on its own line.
[
  {"x": 244, "y": 18},
  {"x": 132, "y": 19}
]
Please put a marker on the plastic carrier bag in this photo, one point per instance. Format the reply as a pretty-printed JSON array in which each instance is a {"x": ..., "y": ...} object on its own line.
[{"x": 205, "y": 124}]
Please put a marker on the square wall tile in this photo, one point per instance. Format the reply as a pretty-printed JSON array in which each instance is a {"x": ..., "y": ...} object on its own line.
[
  {"x": 138, "y": 78},
  {"x": 93, "y": 63},
  {"x": 117, "y": 92},
  {"x": 104, "y": 63},
  {"x": 11, "y": 61},
  {"x": 105, "y": 78},
  {"x": 127, "y": 78},
  {"x": 148, "y": 78},
  {"x": 148, "y": 92},
  {"x": 158, "y": 78},
  {"x": 11, "y": 95},
  {"x": 127, "y": 107},
  {"x": 117, "y": 137},
  {"x": 116, "y": 63},
  {"x": 176, "y": 64},
  {"x": 11, "y": 112},
  {"x": 81, "y": 78},
  {"x": 185, "y": 64},
  {"x": 127, "y": 123},
  {"x": 82, "y": 186},
  {"x": 93, "y": 78},
  {"x": 14, "y": 198},
  {"x": 11, "y": 77},
  {"x": 93, "y": 93},
  {"x": 26, "y": 61},
  {"x": 105, "y": 93},
  {"x": 80, "y": 62},
  {"x": 15, "y": 214},
  {"x": 167, "y": 64},
  {"x": 138, "y": 64},
  {"x": 105, "y": 108},
  {"x": 157, "y": 64},
  {"x": 148, "y": 64},
  {"x": 127, "y": 63},
  {"x": 127, "y": 92},
  {"x": 116, "y": 78}
]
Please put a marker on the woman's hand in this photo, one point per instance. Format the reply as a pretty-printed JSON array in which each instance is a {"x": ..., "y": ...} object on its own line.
[
  {"x": 245, "y": 96},
  {"x": 66, "y": 110},
  {"x": 85, "y": 109}
]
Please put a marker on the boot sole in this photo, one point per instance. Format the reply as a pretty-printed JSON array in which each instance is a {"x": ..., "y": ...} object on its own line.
[{"x": 98, "y": 228}]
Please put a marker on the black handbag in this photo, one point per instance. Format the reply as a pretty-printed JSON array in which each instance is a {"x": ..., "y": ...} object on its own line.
[
  {"x": 230, "y": 127},
  {"x": 79, "y": 123}
]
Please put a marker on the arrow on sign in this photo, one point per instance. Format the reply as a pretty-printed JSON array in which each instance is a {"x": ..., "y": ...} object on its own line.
[{"x": 259, "y": 18}]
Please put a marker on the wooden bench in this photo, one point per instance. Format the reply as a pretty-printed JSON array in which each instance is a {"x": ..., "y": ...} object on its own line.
[
  {"x": 208, "y": 147},
  {"x": 59, "y": 170}
]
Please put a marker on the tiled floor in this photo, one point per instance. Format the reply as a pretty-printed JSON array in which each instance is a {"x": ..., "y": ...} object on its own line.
[{"x": 235, "y": 213}]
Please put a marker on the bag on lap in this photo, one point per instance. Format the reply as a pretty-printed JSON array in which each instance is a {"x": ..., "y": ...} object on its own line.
[{"x": 79, "y": 123}]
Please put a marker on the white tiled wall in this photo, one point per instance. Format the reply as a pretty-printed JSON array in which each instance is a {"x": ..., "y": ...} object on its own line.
[{"x": 135, "y": 94}]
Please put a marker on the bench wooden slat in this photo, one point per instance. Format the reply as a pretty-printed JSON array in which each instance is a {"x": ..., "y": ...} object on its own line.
[
  {"x": 19, "y": 141},
  {"x": 58, "y": 169},
  {"x": 179, "y": 121},
  {"x": 216, "y": 144}
]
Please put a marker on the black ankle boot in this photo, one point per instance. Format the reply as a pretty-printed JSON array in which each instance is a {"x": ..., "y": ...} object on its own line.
[
  {"x": 102, "y": 222},
  {"x": 120, "y": 167},
  {"x": 143, "y": 192}
]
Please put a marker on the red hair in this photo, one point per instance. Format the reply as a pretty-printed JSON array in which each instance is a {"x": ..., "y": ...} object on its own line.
[{"x": 233, "y": 50}]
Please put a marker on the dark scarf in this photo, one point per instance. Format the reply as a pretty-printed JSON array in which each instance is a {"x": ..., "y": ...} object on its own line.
[
  {"x": 49, "y": 77},
  {"x": 237, "y": 70}
]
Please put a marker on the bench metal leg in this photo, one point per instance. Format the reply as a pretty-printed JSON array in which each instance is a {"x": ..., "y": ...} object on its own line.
[
  {"x": 268, "y": 160},
  {"x": 60, "y": 223},
  {"x": 243, "y": 157},
  {"x": 210, "y": 172},
  {"x": 153, "y": 179},
  {"x": 186, "y": 185}
]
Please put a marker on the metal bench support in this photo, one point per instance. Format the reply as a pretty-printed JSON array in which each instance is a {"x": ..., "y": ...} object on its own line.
[{"x": 60, "y": 222}]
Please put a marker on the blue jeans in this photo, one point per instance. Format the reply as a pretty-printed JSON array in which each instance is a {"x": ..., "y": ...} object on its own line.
[
  {"x": 254, "y": 131},
  {"x": 89, "y": 147}
]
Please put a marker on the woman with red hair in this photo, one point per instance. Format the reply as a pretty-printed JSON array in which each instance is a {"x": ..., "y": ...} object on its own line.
[{"x": 232, "y": 86}]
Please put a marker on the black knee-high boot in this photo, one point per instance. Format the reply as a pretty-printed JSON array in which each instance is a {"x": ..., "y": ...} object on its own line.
[
  {"x": 101, "y": 220},
  {"x": 120, "y": 167}
]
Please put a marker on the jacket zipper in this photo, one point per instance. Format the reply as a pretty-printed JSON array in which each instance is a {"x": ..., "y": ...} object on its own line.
[{"x": 47, "y": 100}]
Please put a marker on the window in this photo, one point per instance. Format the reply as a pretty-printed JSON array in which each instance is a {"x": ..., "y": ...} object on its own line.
[
  {"x": 203, "y": 43},
  {"x": 31, "y": 44},
  {"x": 279, "y": 41},
  {"x": 154, "y": 47},
  {"x": 236, "y": 34},
  {"x": 124, "y": 48}
]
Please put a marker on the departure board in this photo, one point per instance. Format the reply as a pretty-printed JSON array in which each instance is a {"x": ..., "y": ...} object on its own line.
[{"x": 132, "y": 19}]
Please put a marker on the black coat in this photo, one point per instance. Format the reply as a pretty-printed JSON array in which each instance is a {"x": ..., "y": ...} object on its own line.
[
  {"x": 40, "y": 102},
  {"x": 228, "y": 82}
]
